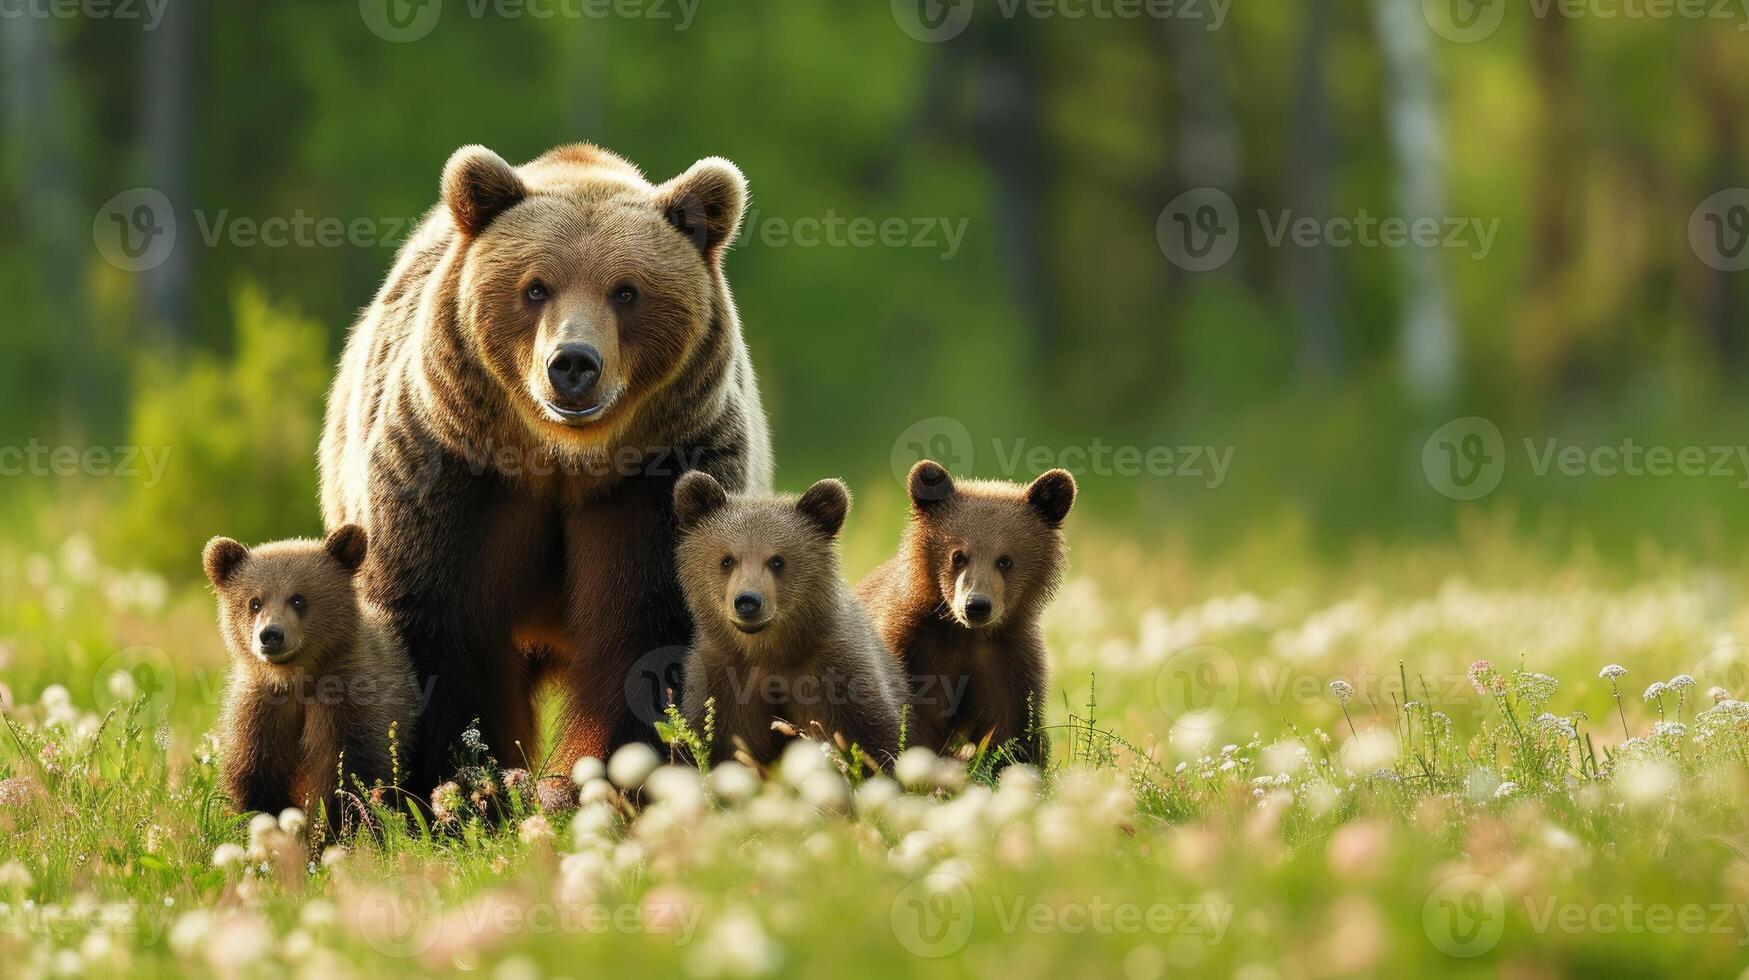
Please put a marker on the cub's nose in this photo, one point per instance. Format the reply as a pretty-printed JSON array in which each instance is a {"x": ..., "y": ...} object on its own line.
[
  {"x": 573, "y": 370},
  {"x": 272, "y": 639},
  {"x": 978, "y": 608},
  {"x": 748, "y": 605}
]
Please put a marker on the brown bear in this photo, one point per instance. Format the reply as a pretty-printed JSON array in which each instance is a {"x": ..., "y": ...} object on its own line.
[
  {"x": 959, "y": 605},
  {"x": 779, "y": 636},
  {"x": 555, "y": 346},
  {"x": 319, "y": 679}
]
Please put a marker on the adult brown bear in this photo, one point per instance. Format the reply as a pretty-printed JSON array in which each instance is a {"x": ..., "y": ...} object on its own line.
[{"x": 555, "y": 346}]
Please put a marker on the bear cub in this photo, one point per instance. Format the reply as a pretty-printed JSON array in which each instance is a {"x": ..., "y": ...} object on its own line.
[
  {"x": 959, "y": 605},
  {"x": 777, "y": 634},
  {"x": 318, "y": 677}
]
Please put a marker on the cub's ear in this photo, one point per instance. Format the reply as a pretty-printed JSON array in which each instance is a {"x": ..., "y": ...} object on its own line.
[
  {"x": 1051, "y": 495},
  {"x": 697, "y": 496},
  {"x": 348, "y": 544},
  {"x": 826, "y": 503},
  {"x": 479, "y": 186},
  {"x": 705, "y": 204},
  {"x": 222, "y": 557},
  {"x": 929, "y": 484}
]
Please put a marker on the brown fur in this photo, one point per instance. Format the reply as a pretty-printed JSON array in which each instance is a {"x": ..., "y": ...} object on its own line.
[
  {"x": 812, "y": 658},
  {"x": 523, "y": 548},
  {"x": 330, "y": 693},
  {"x": 971, "y": 679}
]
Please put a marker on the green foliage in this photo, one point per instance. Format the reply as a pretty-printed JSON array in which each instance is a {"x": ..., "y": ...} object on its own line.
[{"x": 241, "y": 434}]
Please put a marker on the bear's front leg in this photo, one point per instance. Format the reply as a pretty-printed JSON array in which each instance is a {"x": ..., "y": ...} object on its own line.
[{"x": 627, "y": 620}]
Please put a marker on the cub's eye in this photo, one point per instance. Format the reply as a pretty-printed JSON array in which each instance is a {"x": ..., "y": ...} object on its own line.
[
  {"x": 1005, "y": 563},
  {"x": 537, "y": 292},
  {"x": 776, "y": 563},
  {"x": 959, "y": 559},
  {"x": 298, "y": 603},
  {"x": 625, "y": 294},
  {"x": 728, "y": 562},
  {"x": 254, "y": 605}
]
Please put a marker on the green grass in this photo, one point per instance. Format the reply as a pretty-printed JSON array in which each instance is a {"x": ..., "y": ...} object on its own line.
[{"x": 1212, "y": 808}]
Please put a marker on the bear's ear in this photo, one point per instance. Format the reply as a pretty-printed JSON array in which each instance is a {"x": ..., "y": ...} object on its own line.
[
  {"x": 478, "y": 186},
  {"x": 705, "y": 204},
  {"x": 222, "y": 557},
  {"x": 826, "y": 503},
  {"x": 1051, "y": 495},
  {"x": 929, "y": 484},
  {"x": 697, "y": 496},
  {"x": 348, "y": 544}
]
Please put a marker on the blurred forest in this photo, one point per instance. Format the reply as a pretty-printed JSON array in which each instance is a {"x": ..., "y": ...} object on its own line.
[{"x": 1056, "y": 144}]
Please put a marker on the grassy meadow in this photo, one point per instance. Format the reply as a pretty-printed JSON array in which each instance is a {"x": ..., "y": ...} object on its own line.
[{"x": 1408, "y": 762}]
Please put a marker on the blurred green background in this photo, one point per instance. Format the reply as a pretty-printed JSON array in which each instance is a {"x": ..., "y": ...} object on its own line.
[{"x": 1037, "y": 166}]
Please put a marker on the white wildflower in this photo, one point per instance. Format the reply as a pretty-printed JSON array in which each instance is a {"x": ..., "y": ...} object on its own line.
[
  {"x": 587, "y": 768},
  {"x": 1681, "y": 682},
  {"x": 14, "y": 876},
  {"x": 1505, "y": 790},
  {"x": 227, "y": 855},
  {"x": 1612, "y": 672},
  {"x": 915, "y": 768},
  {"x": 1654, "y": 691},
  {"x": 632, "y": 764},
  {"x": 292, "y": 822},
  {"x": 535, "y": 830},
  {"x": 734, "y": 782}
]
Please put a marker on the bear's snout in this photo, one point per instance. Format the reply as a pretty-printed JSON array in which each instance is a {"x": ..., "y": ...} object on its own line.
[{"x": 573, "y": 370}]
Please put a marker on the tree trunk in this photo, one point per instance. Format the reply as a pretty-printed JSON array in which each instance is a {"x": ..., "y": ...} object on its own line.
[{"x": 1427, "y": 348}]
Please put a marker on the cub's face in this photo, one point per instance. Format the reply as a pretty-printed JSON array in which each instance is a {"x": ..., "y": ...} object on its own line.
[
  {"x": 284, "y": 606},
  {"x": 991, "y": 548},
  {"x": 759, "y": 567},
  {"x": 584, "y": 288}
]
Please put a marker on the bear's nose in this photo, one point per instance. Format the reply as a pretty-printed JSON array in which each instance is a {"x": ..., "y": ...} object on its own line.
[
  {"x": 978, "y": 608},
  {"x": 272, "y": 638},
  {"x": 573, "y": 370},
  {"x": 748, "y": 604}
]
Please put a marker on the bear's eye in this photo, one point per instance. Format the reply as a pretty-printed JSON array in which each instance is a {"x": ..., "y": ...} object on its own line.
[
  {"x": 298, "y": 603},
  {"x": 537, "y": 292},
  {"x": 776, "y": 563},
  {"x": 960, "y": 559},
  {"x": 255, "y": 605},
  {"x": 1005, "y": 563},
  {"x": 728, "y": 562},
  {"x": 625, "y": 294}
]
